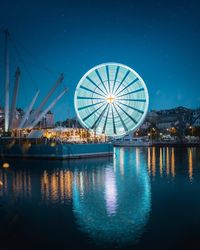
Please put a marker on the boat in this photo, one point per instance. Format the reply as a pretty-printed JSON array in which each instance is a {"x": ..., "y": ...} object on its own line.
[{"x": 133, "y": 142}]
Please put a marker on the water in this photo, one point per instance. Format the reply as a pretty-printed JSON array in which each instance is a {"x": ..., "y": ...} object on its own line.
[{"x": 142, "y": 198}]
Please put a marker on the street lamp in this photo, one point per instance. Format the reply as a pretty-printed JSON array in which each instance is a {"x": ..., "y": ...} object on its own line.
[{"x": 190, "y": 127}]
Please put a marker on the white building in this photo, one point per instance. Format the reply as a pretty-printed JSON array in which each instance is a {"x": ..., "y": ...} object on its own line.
[{"x": 196, "y": 118}]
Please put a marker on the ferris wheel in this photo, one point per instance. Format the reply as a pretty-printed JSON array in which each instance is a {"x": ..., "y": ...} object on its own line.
[{"x": 111, "y": 99}]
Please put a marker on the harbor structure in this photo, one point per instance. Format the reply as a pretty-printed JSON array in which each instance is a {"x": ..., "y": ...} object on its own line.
[
  {"x": 31, "y": 117},
  {"x": 22, "y": 134}
]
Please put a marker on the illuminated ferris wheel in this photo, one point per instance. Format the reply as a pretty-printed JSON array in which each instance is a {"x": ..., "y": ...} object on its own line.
[{"x": 111, "y": 99}]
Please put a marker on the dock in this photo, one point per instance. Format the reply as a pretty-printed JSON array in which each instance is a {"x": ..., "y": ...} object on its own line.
[{"x": 23, "y": 148}]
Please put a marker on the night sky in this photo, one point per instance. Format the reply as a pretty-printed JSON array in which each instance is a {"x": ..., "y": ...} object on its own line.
[{"x": 158, "y": 39}]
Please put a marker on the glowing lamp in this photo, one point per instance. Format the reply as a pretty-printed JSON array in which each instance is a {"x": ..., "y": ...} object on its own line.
[
  {"x": 110, "y": 99},
  {"x": 6, "y": 165}
]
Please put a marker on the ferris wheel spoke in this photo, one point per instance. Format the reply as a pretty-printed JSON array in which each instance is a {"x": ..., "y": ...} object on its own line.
[
  {"x": 92, "y": 91},
  {"x": 105, "y": 123},
  {"x": 113, "y": 119},
  {"x": 111, "y": 99},
  {"x": 133, "y": 100},
  {"x": 108, "y": 78},
  {"x": 96, "y": 123},
  {"x": 91, "y": 105},
  {"x": 127, "y": 114},
  {"x": 122, "y": 121},
  {"x": 127, "y": 73},
  {"x": 134, "y": 81},
  {"x": 88, "y": 116},
  {"x": 128, "y": 106},
  {"x": 95, "y": 85},
  {"x": 98, "y": 74},
  {"x": 116, "y": 75},
  {"x": 132, "y": 92},
  {"x": 89, "y": 98}
]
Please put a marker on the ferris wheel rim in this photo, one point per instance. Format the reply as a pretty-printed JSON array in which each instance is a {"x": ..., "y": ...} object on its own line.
[{"x": 141, "y": 120}]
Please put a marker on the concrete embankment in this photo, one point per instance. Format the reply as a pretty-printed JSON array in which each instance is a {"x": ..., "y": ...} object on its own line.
[{"x": 30, "y": 149}]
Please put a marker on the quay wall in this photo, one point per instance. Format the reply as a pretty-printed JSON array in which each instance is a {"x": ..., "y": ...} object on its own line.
[{"x": 56, "y": 151}]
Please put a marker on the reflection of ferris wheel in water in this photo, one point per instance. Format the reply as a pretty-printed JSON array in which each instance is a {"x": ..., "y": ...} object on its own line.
[{"x": 111, "y": 99}]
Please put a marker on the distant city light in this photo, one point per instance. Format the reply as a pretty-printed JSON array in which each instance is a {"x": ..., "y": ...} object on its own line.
[{"x": 6, "y": 165}]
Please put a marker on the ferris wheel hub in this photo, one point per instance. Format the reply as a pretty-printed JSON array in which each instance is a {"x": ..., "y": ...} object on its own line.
[{"x": 111, "y": 99}]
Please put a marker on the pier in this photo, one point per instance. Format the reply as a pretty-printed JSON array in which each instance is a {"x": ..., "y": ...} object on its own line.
[{"x": 37, "y": 148}]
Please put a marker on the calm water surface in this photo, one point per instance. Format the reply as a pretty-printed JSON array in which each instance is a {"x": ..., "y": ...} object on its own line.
[{"x": 142, "y": 198}]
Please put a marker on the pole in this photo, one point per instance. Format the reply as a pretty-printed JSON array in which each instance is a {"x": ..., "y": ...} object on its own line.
[
  {"x": 60, "y": 79},
  {"x": 6, "y": 108},
  {"x": 26, "y": 116},
  {"x": 68, "y": 118},
  {"x": 35, "y": 122},
  {"x": 14, "y": 99},
  {"x": 39, "y": 109}
]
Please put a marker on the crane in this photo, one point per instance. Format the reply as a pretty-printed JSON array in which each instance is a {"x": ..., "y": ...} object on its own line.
[
  {"x": 38, "y": 110},
  {"x": 14, "y": 99},
  {"x": 26, "y": 116},
  {"x": 42, "y": 114}
]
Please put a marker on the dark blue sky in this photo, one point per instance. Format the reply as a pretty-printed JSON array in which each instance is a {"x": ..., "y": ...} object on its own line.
[{"x": 159, "y": 39}]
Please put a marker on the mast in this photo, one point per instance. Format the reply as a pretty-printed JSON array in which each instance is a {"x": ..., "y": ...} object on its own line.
[
  {"x": 6, "y": 107},
  {"x": 60, "y": 79},
  {"x": 14, "y": 99},
  {"x": 35, "y": 122},
  {"x": 26, "y": 116}
]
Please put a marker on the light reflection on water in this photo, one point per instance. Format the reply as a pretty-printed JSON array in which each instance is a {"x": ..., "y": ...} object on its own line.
[
  {"x": 190, "y": 159},
  {"x": 116, "y": 209},
  {"x": 110, "y": 192},
  {"x": 110, "y": 199},
  {"x": 57, "y": 185},
  {"x": 165, "y": 161},
  {"x": 15, "y": 183}
]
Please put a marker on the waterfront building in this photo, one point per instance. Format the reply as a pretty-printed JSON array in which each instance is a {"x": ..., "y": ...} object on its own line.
[
  {"x": 196, "y": 118},
  {"x": 146, "y": 125},
  {"x": 47, "y": 120},
  {"x": 166, "y": 119},
  {"x": 160, "y": 122},
  {"x": 1, "y": 117},
  {"x": 152, "y": 116},
  {"x": 174, "y": 122}
]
